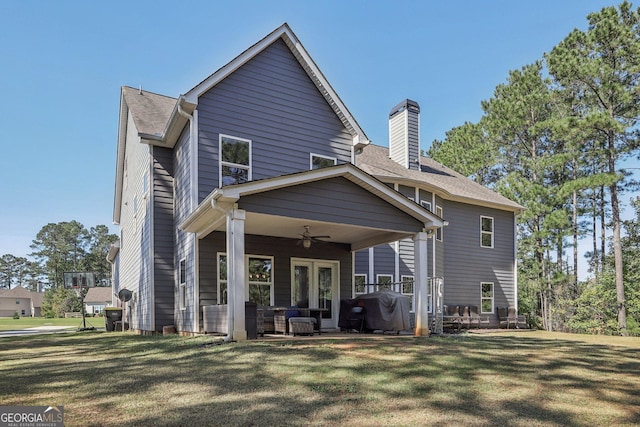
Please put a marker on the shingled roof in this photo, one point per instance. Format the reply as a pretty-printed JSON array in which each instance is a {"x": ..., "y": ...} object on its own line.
[
  {"x": 99, "y": 295},
  {"x": 447, "y": 183},
  {"x": 150, "y": 111}
]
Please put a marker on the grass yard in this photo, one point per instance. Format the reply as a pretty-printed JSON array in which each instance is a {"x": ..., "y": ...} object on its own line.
[
  {"x": 9, "y": 323},
  {"x": 505, "y": 379}
]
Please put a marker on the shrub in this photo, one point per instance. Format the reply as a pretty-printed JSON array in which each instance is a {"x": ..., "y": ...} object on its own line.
[{"x": 16, "y": 315}]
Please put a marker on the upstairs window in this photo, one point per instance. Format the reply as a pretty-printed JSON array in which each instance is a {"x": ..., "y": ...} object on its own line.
[
  {"x": 318, "y": 161},
  {"x": 486, "y": 232},
  {"x": 426, "y": 205},
  {"x": 235, "y": 160}
]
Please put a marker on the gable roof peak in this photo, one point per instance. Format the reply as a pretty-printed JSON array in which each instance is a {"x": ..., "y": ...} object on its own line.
[{"x": 285, "y": 33}]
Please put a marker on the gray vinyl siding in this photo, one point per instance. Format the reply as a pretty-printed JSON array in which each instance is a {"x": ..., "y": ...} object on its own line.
[
  {"x": 441, "y": 245},
  {"x": 333, "y": 200},
  {"x": 271, "y": 101},
  {"x": 384, "y": 261},
  {"x": 426, "y": 196},
  {"x": 163, "y": 243},
  {"x": 413, "y": 133},
  {"x": 362, "y": 263},
  {"x": 408, "y": 192},
  {"x": 406, "y": 258},
  {"x": 184, "y": 242},
  {"x": 468, "y": 264},
  {"x": 282, "y": 250}
]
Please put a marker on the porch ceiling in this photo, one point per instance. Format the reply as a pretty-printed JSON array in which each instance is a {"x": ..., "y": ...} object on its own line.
[{"x": 357, "y": 236}]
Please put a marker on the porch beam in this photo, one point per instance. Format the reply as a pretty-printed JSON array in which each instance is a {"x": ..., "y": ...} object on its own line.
[
  {"x": 421, "y": 283},
  {"x": 236, "y": 274}
]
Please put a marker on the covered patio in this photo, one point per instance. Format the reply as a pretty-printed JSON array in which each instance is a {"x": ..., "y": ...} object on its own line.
[{"x": 264, "y": 222}]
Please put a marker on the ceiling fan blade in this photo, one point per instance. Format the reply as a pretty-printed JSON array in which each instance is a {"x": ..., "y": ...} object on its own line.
[{"x": 320, "y": 237}]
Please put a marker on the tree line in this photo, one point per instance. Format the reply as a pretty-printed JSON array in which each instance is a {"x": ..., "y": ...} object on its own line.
[
  {"x": 554, "y": 138},
  {"x": 59, "y": 248}
]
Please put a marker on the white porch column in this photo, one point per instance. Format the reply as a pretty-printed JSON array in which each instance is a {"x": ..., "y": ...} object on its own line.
[
  {"x": 421, "y": 279},
  {"x": 235, "y": 274}
]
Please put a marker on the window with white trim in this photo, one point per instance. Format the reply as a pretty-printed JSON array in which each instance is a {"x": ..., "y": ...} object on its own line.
[
  {"x": 408, "y": 288},
  {"x": 426, "y": 205},
  {"x": 359, "y": 282},
  {"x": 182, "y": 283},
  {"x": 486, "y": 297},
  {"x": 486, "y": 232},
  {"x": 384, "y": 281},
  {"x": 235, "y": 160},
  {"x": 260, "y": 278},
  {"x": 318, "y": 161},
  {"x": 439, "y": 230},
  {"x": 222, "y": 278}
]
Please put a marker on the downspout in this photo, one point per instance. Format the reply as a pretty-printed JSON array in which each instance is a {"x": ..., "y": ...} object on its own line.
[{"x": 230, "y": 311}]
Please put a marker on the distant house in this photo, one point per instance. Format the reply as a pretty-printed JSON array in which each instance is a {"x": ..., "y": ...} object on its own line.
[
  {"x": 97, "y": 299},
  {"x": 20, "y": 300},
  {"x": 259, "y": 185}
]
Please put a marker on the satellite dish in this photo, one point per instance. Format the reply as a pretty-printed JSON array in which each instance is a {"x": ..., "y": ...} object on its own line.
[{"x": 124, "y": 295}]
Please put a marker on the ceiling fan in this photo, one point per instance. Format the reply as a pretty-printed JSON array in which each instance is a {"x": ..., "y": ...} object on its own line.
[{"x": 307, "y": 238}]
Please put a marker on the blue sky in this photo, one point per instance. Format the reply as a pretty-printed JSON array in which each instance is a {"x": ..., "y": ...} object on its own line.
[{"x": 63, "y": 62}]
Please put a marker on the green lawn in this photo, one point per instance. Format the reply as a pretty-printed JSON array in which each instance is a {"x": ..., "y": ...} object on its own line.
[
  {"x": 9, "y": 323},
  {"x": 506, "y": 379}
]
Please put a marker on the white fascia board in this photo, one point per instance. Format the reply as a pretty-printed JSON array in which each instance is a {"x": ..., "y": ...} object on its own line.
[{"x": 122, "y": 142}]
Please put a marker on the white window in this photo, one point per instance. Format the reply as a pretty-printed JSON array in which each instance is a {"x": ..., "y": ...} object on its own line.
[
  {"x": 182, "y": 282},
  {"x": 486, "y": 297},
  {"x": 384, "y": 281},
  {"x": 408, "y": 286},
  {"x": 222, "y": 278},
  {"x": 426, "y": 205},
  {"x": 318, "y": 161},
  {"x": 359, "y": 282},
  {"x": 260, "y": 277},
  {"x": 486, "y": 232},
  {"x": 235, "y": 160},
  {"x": 439, "y": 230}
]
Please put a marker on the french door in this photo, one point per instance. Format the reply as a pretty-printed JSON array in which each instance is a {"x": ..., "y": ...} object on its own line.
[{"x": 314, "y": 284}]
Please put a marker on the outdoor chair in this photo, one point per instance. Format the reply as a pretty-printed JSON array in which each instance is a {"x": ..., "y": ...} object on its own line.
[
  {"x": 514, "y": 319},
  {"x": 465, "y": 318},
  {"x": 355, "y": 319},
  {"x": 476, "y": 319}
]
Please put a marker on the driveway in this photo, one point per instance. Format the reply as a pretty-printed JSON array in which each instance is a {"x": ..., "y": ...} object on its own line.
[{"x": 37, "y": 330}]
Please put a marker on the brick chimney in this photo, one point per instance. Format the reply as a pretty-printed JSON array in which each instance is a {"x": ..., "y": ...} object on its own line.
[{"x": 404, "y": 134}]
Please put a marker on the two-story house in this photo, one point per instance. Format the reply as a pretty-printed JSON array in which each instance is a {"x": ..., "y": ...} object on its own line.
[{"x": 259, "y": 185}]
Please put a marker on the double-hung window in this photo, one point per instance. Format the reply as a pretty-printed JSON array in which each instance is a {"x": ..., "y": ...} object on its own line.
[
  {"x": 486, "y": 232},
  {"x": 384, "y": 281},
  {"x": 222, "y": 278},
  {"x": 235, "y": 160},
  {"x": 259, "y": 277},
  {"x": 486, "y": 297},
  {"x": 318, "y": 161},
  {"x": 359, "y": 282},
  {"x": 182, "y": 283},
  {"x": 408, "y": 287}
]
